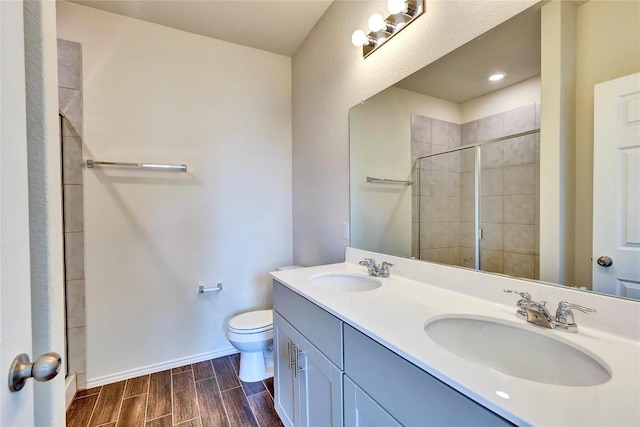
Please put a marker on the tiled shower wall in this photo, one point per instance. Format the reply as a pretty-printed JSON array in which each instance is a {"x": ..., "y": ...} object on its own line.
[
  {"x": 510, "y": 193},
  {"x": 436, "y": 192},
  {"x": 70, "y": 105}
]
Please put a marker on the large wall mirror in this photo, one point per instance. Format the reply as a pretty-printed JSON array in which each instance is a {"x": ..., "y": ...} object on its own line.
[{"x": 446, "y": 165}]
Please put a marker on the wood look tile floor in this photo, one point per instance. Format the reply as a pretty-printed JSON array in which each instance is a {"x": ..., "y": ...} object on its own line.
[{"x": 204, "y": 394}]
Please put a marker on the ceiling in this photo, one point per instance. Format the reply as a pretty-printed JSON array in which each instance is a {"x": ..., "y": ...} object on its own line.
[
  {"x": 274, "y": 26},
  {"x": 513, "y": 47}
]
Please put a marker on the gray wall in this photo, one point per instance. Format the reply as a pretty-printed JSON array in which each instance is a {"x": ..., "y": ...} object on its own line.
[{"x": 155, "y": 236}]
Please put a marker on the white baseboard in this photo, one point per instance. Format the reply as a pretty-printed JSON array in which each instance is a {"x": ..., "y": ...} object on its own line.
[
  {"x": 70, "y": 389},
  {"x": 132, "y": 373}
]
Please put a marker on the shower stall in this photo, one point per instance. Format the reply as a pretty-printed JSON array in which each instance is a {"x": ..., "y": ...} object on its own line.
[{"x": 476, "y": 198}]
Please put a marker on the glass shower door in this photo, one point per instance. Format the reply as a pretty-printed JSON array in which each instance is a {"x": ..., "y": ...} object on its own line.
[{"x": 445, "y": 198}]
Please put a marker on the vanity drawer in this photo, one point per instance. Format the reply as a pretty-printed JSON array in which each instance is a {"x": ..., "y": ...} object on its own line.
[
  {"x": 322, "y": 329},
  {"x": 408, "y": 393}
]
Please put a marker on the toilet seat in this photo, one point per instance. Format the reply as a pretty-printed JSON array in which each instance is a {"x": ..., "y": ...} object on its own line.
[{"x": 252, "y": 322}]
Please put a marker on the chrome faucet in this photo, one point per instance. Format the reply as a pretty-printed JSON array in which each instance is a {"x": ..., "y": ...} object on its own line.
[
  {"x": 374, "y": 270},
  {"x": 370, "y": 263},
  {"x": 536, "y": 312},
  {"x": 532, "y": 311}
]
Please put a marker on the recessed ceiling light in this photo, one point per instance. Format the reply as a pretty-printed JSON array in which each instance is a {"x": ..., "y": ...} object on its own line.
[{"x": 497, "y": 76}]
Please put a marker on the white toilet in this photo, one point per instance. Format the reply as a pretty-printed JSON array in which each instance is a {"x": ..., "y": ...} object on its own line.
[{"x": 252, "y": 334}]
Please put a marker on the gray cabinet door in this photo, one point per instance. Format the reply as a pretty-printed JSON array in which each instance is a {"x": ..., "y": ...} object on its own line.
[
  {"x": 285, "y": 383},
  {"x": 360, "y": 410},
  {"x": 320, "y": 388},
  {"x": 308, "y": 386}
]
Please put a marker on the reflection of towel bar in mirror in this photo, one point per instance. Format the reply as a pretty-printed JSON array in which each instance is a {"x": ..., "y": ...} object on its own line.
[
  {"x": 181, "y": 168},
  {"x": 389, "y": 181}
]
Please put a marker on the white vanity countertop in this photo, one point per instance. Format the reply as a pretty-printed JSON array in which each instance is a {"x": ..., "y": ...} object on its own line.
[{"x": 395, "y": 315}]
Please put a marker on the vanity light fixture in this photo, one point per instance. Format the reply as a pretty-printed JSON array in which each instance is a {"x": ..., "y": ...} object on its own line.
[
  {"x": 497, "y": 76},
  {"x": 403, "y": 12}
]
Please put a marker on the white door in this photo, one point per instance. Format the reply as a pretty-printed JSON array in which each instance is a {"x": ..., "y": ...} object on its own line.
[
  {"x": 16, "y": 408},
  {"x": 616, "y": 187}
]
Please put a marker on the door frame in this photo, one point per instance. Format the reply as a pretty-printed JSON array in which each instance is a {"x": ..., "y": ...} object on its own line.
[{"x": 45, "y": 202}]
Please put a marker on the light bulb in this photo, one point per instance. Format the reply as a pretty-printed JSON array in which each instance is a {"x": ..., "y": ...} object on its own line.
[
  {"x": 377, "y": 22},
  {"x": 359, "y": 38},
  {"x": 396, "y": 6},
  {"x": 497, "y": 76}
]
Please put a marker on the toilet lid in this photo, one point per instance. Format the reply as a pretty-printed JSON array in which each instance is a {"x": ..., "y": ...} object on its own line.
[{"x": 251, "y": 321}]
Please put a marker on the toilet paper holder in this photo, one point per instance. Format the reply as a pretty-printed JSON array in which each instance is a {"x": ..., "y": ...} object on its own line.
[{"x": 202, "y": 289}]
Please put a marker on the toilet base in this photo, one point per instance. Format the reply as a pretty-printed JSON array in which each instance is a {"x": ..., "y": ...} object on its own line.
[{"x": 256, "y": 366}]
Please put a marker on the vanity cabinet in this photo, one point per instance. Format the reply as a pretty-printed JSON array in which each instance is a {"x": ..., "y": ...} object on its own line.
[
  {"x": 308, "y": 385},
  {"x": 327, "y": 373}
]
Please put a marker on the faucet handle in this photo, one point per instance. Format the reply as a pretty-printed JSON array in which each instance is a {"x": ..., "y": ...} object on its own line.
[
  {"x": 564, "y": 316},
  {"x": 522, "y": 303},
  {"x": 371, "y": 265},
  {"x": 565, "y": 305},
  {"x": 384, "y": 268},
  {"x": 524, "y": 295}
]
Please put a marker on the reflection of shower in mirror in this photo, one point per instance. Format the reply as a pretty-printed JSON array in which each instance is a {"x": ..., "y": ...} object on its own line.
[{"x": 477, "y": 202}]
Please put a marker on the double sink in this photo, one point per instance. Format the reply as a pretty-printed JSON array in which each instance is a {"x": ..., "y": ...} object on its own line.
[{"x": 510, "y": 348}]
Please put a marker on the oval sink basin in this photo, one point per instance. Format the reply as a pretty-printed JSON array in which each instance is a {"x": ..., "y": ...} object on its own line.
[
  {"x": 516, "y": 351},
  {"x": 346, "y": 282}
]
